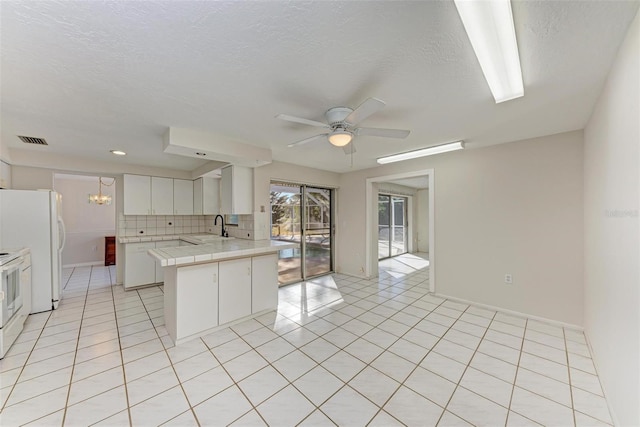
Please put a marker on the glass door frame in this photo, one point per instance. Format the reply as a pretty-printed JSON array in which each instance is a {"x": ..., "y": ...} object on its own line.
[
  {"x": 303, "y": 191},
  {"x": 392, "y": 225},
  {"x": 304, "y": 229}
]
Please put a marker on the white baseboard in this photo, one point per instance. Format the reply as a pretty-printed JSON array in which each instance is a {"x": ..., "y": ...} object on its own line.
[
  {"x": 83, "y": 264},
  {"x": 513, "y": 312}
]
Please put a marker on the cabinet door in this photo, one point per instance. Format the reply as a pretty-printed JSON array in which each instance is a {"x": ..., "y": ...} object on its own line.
[
  {"x": 197, "y": 196},
  {"x": 211, "y": 196},
  {"x": 234, "y": 289},
  {"x": 236, "y": 190},
  {"x": 196, "y": 299},
  {"x": 264, "y": 283},
  {"x": 161, "y": 196},
  {"x": 137, "y": 195},
  {"x": 159, "y": 269},
  {"x": 226, "y": 191},
  {"x": 182, "y": 197},
  {"x": 242, "y": 190},
  {"x": 139, "y": 267}
]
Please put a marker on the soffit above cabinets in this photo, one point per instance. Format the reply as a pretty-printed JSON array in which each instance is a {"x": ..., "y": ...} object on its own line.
[{"x": 208, "y": 146}]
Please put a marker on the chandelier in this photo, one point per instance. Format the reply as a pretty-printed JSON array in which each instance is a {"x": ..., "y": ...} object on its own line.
[{"x": 101, "y": 199}]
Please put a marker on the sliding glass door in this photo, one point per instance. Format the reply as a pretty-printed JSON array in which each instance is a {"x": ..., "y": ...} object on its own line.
[
  {"x": 392, "y": 225},
  {"x": 303, "y": 214}
]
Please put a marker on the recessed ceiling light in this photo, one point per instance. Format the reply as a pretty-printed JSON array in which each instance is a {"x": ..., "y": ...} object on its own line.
[
  {"x": 489, "y": 25},
  {"x": 118, "y": 152},
  {"x": 452, "y": 146}
]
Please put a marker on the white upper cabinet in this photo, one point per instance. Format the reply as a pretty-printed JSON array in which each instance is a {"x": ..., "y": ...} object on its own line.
[
  {"x": 161, "y": 196},
  {"x": 206, "y": 196},
  {"x": 182, "y": 197},
  {"x": 137, "y": 195},
  {"x": 236, "y": 190}
]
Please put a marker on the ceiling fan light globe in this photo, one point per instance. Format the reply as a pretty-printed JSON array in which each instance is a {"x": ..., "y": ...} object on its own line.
[{"x": 340, "y": 138}]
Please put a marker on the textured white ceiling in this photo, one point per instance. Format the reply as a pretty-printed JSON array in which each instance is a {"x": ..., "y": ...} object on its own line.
[{"x": 93, "y": 76}]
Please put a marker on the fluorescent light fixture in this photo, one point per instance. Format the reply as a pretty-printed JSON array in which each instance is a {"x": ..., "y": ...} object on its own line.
[
  {"x": 429, "y": 151},
  {"x": 118, "y": 152},
  {"x": 489, "y": 25},
  {"x": 340, "y": 137}
]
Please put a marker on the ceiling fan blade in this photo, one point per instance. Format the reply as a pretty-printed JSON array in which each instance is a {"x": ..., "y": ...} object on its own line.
[
  {"x": 304, "y": 141},
  {"x": 301, "y": 120},
  {"x": 386, "y": 133},
  {"x": 367, "y": 108}
]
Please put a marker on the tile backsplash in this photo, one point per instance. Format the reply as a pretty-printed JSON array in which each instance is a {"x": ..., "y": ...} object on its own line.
[
  {"x": 159, "y": 225},
  {"x": 249, "y": 227}
]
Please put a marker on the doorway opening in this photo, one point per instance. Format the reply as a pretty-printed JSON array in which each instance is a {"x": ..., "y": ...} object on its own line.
[
  {"x": 393, "y": 237},
  {"x": 303, "y": 214},
  {"x": 90, "y": 220},
  {"x": 405, "y": 225}
]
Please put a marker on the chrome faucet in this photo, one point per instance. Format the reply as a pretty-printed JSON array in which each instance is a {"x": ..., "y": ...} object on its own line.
[{"x": 223, "y": 232}]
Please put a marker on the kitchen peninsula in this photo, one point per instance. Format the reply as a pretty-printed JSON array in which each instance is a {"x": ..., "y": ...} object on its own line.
[{"x": 217, "y": 281}]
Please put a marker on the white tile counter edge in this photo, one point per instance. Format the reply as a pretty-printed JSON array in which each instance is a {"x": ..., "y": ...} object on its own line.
[{"x": 218, "y": 250}]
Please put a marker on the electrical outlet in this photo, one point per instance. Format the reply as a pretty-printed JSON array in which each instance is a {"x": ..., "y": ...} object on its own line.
[
  {"x": 508, "y": 279},
  {"x": 95, "y": 249}
]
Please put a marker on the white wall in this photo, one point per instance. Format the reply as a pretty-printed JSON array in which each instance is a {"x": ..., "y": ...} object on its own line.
[
  {"x": 5, "y": 175},
  {"x": 28, "y": 178},
  {"x": 86, "y": 224},
  {"x": 511, "y": 208},
  {"x": 422, "y": 219},
  {"x": 611, "y": 203}
]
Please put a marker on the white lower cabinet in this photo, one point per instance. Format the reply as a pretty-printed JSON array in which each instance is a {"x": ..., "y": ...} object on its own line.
[
  {"x": 234, "y": 289},
  {"x": 264, "y": 283},
  {"x": 139, "y": 267},
  {"x": 197, "y": 308}
]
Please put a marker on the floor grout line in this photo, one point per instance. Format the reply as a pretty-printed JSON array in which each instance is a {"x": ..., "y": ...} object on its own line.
[{"x": 405, "y": 300}]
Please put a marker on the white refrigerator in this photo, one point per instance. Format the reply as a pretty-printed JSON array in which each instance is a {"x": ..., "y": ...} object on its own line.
[{"x": 32, "y": 219}]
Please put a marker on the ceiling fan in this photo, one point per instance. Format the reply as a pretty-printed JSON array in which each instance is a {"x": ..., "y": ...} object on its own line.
[{"x": 342, "y": 122}]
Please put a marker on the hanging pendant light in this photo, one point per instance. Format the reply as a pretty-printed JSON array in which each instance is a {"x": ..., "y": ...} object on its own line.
[{"x": 101, "y": 199}]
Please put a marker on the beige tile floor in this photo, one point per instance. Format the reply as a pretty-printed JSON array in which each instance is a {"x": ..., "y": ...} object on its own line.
[{"x": 340, "y": 350}]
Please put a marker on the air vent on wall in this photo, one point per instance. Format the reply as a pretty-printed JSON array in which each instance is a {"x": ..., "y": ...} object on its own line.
[{"x": 32, "y": 140}]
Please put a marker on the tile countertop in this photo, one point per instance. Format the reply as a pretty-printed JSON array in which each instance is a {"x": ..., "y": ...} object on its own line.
[
  {"x": 191, "y": 238},
  {"x": 218, "y": 250}
]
